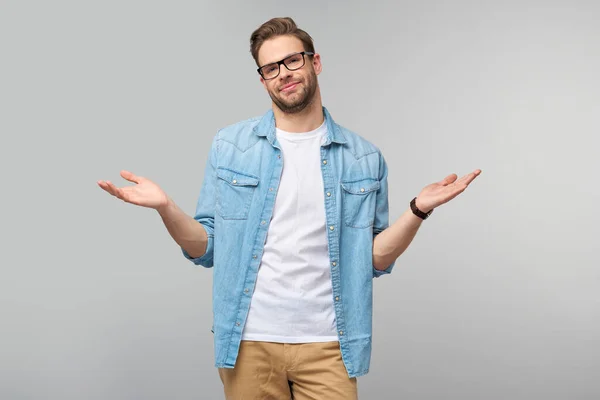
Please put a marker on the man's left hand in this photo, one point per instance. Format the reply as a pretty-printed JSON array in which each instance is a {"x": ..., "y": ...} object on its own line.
[{"x": 438, "y": 193}]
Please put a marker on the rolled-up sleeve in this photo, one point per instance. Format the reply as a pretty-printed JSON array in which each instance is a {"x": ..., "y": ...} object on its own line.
[
  {"x": 382, "y": 211},
  {"x": 205, "y": 208}
]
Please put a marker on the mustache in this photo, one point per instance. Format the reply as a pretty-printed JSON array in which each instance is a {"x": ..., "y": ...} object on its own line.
[{"x": 287, "y": 82}]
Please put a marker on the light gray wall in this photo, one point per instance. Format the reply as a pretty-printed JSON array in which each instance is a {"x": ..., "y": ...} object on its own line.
[{"x": 499, "y": 295}]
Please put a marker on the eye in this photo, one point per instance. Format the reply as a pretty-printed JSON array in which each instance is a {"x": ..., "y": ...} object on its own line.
[{"x": 295, "y": 59}]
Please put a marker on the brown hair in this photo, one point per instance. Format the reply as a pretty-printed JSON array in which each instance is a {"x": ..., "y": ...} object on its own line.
[{"x": 278, "y": 27}]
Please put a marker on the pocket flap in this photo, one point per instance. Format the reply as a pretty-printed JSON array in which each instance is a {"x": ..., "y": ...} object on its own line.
[
  {"x": 361, "y": 186},
  {"x": 236, "y": 178}
]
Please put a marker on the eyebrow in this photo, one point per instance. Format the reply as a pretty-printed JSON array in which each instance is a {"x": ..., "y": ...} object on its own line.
[{"x": 284, "y": 57}]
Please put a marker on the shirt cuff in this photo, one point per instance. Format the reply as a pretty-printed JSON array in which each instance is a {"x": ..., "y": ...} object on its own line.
[
  {"x": 206, "y": 260},
  {"x": 377, "y": 273}
]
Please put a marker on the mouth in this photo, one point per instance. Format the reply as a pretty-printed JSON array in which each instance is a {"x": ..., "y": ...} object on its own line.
[{"x": 289, "y": 87}]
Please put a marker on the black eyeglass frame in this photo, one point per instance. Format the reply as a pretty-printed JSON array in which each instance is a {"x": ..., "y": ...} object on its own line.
[{"x": 280, "y": 62}]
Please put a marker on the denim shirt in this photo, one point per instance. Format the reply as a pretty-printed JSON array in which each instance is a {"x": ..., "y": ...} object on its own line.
[{"x": 235, "y": 205}]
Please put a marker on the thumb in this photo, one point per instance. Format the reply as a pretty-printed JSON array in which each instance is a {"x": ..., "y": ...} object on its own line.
[
  {"x": 448, "y": 180},
  {"x": 130, "y": 176}
]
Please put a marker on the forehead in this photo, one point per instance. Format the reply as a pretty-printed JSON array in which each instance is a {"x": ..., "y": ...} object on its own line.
[{"x": 278, "y": 48}]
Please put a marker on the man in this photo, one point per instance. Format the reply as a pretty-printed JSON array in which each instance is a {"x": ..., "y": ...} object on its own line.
[{"x": 293, "y": 218}]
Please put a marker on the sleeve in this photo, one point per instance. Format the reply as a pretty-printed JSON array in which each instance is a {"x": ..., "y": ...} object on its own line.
[
  {"x": 205, "y": 208},
  {"x": 382, "y": 211}
]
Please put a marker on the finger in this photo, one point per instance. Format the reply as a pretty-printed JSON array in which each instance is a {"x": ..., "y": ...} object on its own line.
[
  {"x": 453, "y": 191},
  {"x": 448, "y": 180},
  {"x": 130, "y": 176},
  {"x": 467, "y": 179},
  {"x": 104, "y": 185},
  {"x": 115, "y": 191},
  {"x": 110, "y": 188}
]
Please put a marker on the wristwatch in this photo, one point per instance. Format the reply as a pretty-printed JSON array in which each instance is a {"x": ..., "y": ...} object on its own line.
[{"x": 417, "y": 212}]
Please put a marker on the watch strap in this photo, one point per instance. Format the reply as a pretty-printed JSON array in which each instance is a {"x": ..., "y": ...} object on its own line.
[{"x": 417, "y": 212}]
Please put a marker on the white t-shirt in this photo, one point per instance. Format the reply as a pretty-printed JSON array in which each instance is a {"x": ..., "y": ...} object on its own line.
[{"x": 293, "y": 297}]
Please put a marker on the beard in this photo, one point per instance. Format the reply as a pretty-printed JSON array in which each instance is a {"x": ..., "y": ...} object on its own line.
[{"x": 300, "y": 99}]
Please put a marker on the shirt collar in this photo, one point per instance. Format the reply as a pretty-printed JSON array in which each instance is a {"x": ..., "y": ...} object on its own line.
[{"x": 266, "y": 128}]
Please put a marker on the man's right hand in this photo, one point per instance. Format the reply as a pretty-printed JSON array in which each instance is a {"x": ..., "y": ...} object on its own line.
[{"x": 144, "y": 193}]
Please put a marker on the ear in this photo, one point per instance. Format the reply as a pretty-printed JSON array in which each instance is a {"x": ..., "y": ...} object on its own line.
[
  {"x": 316, "y": 62},
  {"x": 263, "y": 82}
]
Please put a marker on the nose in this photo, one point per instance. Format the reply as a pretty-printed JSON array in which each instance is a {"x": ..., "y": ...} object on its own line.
[{"x": 284, "y": 73}]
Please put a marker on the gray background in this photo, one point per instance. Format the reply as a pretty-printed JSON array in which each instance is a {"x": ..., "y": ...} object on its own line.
[{"x": 497, "y": 298}]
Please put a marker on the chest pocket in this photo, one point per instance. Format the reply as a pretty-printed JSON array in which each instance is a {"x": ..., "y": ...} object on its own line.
[
  {"x": 359, "y": 201},
  {"x": 235, "y": 191}
]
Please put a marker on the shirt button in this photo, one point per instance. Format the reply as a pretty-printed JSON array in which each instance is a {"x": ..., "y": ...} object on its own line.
[
  {"x": 328, "y": 194},
  {"x": 254, "y": 256},
  {"x": 245, "y": 290},
  {"x": 334, "y": 263},
  {"x": 234, "y": 181},
  {"x": 337, "y": 298},
  {"x": 331, "y": 228},
  {"x": 263, "y": 222},
  {"x": 237, "y": 323},
  {"x": 270, "y": 189},
  {"x": 324, "y": 161},
  {"x": 341, "y": 332},
  {"x": 362, "y": 189},
  {"x": 278, "y": 155}
]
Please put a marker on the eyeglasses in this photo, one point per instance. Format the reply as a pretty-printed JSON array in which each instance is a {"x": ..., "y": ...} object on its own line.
[{"x": 292, "y": 63}]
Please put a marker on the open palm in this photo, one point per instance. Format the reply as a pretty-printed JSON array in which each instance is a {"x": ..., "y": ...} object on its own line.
[
  {"x": 438, "y": 193},
  {"x": 144, "y": 193}
]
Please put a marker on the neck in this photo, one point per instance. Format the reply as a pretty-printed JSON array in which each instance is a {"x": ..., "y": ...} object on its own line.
[{"x": 304, "y": 121}]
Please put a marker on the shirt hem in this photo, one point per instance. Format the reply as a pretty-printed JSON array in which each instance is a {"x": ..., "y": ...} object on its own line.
[{"x": 290, "y": 339}]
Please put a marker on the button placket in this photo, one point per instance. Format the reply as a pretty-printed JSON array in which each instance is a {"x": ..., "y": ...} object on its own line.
[
  {"x": 249, "y": 285},
  {"x": 331, "y": 238}
]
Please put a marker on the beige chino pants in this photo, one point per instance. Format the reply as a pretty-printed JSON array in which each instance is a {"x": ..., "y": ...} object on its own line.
[{"x": 282, "y": 371}]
